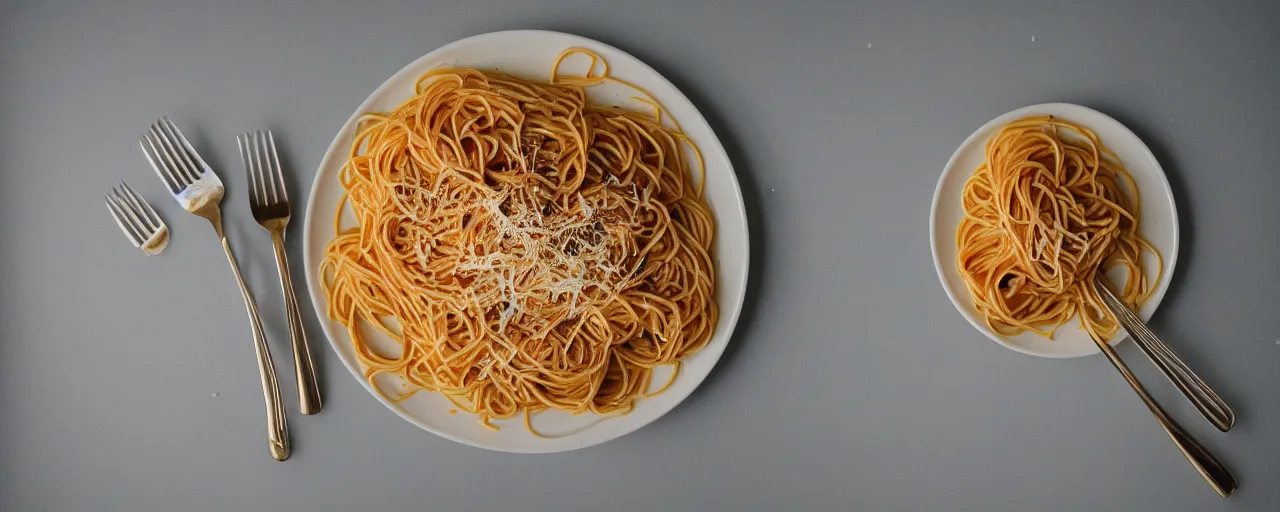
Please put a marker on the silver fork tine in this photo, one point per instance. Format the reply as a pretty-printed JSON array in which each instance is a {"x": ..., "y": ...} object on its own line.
[
  {"x": 242, "y": 141},
  {"x": 275, "y": 159},
  {"x": 160, "y": 143},
  {"x": 135, "y": 208},
  {"x": 269, "y": 171},
  {"x": 259, "y": 168},
  {"x": 157, "y": 163},
  {"x": 143, "y": 206},
  {"x": 144, "y": 227},
  {"x": 255, "y": 171},
  {"x": 128, "y": 228},
  {"x": 187, "y": 144},
  {"x": 178, "y": 157},
  {"x": 255, "y": 154}
]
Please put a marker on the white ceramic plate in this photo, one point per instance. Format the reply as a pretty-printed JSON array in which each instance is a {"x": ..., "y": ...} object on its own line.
[
  {"x": 1159, "y": 222},
  {"x": 530, "y": 54}
]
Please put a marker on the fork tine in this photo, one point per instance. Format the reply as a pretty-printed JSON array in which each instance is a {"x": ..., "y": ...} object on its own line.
[
  {"x": 144, "y": 227},
  {"x": 161, "y": 144},
  {"x": 129, "y": 229},
  {"x": 157, "y": 162},
  {"x": 187, "y": 144},
  {"x": 150, "y": 211},
  {"x": 269, "y": 172},
  {"x": 275, "y": 159},
  {"x": 175, "y": 154},
  {"x": 255, "y": 145},
  {"x": 131, "y": 211},
  {"x": 242, "y": 143},
  {"x": 141, "y": 206}
]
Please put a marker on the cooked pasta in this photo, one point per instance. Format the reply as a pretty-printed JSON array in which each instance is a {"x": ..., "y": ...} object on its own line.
[
  {"x": 1048, "y": 208},
  {"x": 524, "y": 248}
]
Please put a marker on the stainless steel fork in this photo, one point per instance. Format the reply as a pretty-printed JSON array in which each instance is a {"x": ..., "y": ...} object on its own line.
[
  {"x": 269, "y": 200},
  {"x": 1213, "y": 472},
  {"x": 199, "y": 191},
  {"x": 137, "y": 219},
  {"x": 1210, "y": 405}
]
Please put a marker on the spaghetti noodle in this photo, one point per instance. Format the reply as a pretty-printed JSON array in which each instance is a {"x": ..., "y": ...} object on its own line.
[
  {"x": 1044, "y": 211},
  {"x": 524, "y": 249}
]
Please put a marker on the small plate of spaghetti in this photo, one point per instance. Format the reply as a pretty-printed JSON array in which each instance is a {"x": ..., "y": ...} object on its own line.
[
  {"x": 527, "y": 241},
  {"x": 1031, "y": 207}
]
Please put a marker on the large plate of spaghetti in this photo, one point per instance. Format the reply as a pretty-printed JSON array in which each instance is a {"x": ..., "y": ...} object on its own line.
[
  {"x": 527, "y": 241},
  {"x": 1031, "y": 206}
]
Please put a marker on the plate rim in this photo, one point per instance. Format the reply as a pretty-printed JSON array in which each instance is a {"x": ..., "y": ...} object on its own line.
[
  {"x": 738, "y": 284},
  {"x": 1066, "y": 109}
]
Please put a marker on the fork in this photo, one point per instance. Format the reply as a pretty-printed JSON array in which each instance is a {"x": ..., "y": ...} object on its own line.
[
  {"x": 1210, "y": 405},
  {"x": 269, "y": 201},
  {"x": 137, "y": 219},
  {"x": 1213, "y": 472},
  {"x": 195, "y": 186}
]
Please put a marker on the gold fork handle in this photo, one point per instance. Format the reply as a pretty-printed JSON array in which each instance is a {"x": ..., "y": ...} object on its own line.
[
  {"x": 304, "y": 368},
  {"x": 1204, "y": 462},
  {"x": 277, "y": 428}
]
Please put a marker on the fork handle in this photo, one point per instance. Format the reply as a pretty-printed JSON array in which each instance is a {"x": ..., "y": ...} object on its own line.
[
  {"x": 277, "y": 428},
  {"x": 1205, "y": 463},
  {"x": 304, "y": 367},
  {"x": 1210, "y": 405}
]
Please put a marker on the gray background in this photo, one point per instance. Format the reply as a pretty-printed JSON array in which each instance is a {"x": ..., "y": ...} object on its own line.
[{"x": 852, "y": 383}]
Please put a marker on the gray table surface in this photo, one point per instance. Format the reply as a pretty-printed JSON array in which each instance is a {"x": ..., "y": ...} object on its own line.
[{"x": 852, "y": 383}]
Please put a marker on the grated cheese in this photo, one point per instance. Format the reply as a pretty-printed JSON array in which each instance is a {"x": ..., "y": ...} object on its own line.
[{"x": 530, "y": 260}]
